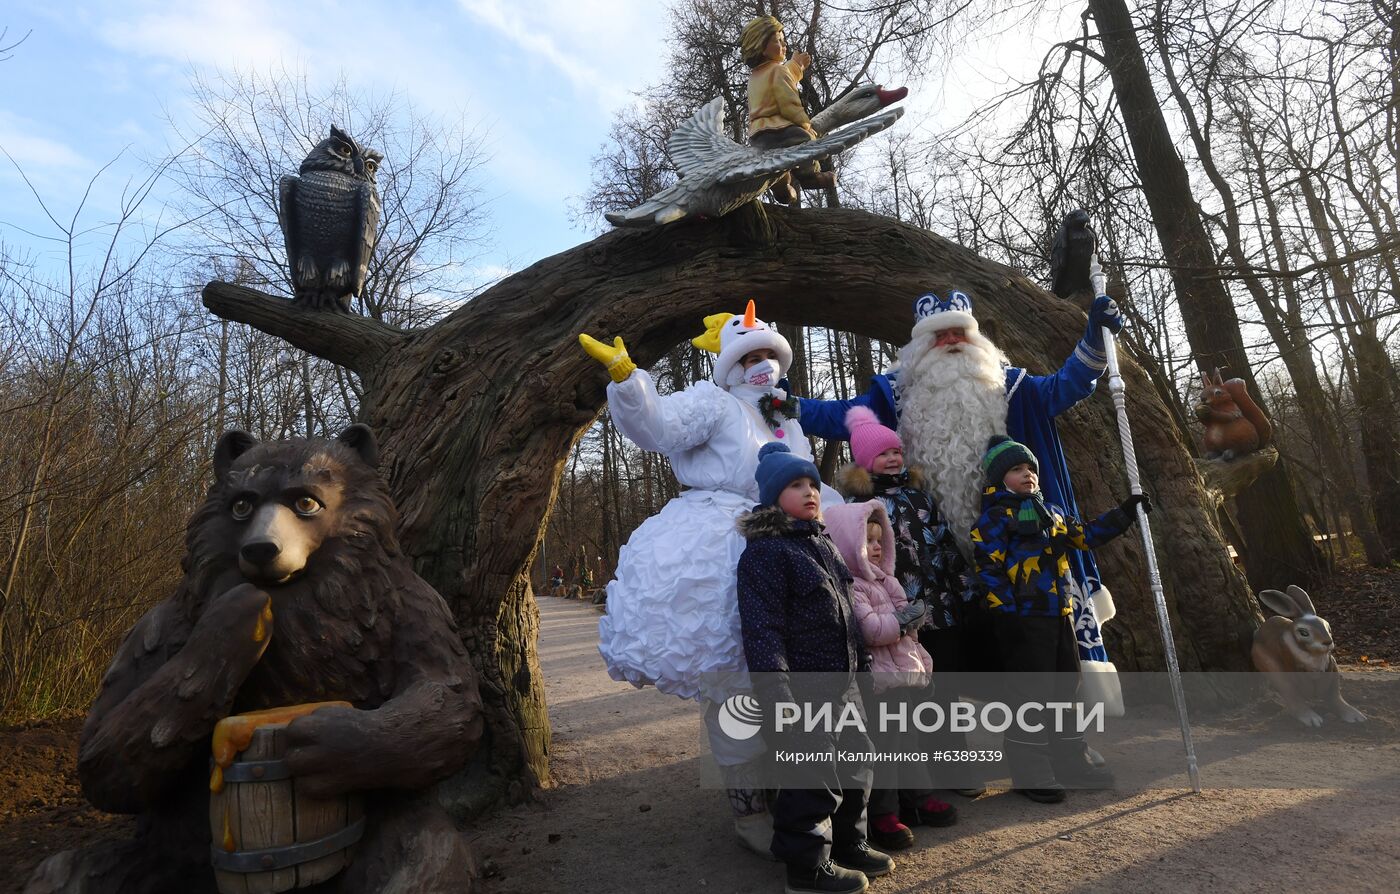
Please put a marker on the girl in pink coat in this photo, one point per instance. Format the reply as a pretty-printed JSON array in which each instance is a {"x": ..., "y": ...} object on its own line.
[{"x": 901, "y": 668}]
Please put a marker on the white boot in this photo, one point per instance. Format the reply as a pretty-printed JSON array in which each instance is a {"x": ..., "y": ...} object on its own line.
[
  {"x": 752, "y": 821},
  {"x": 755, "y": 833}
]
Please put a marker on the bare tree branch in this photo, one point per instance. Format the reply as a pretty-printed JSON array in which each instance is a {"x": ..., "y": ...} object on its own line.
[{"x": 354, "y": 342}]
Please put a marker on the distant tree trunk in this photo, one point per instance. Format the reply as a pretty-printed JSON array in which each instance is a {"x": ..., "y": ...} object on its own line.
[
  {"x": 1295, "y": 349},
  {"x": 864, "y": 361},
  {"x": 1371, "y": 385},
  {"x": 221, "y": 402},
  {"x": 476, "y": 416},
  {"x": 307, "y": 397},
  {"x": 1376, "y": 400},
  {"x": 1279, "y": 548},
  {"x": 1378, "y": 379},
  {"x": 607, "y": 484},
  {"x": 797, "y": 375},
  {"x": 647, "y": 484},
  {"x": 830, "y": 454}
]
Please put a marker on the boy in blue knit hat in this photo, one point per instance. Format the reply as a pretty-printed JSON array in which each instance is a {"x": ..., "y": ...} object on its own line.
[
  {"x": 1021, "y": 544},
  {"x": 800, "y": 631}
]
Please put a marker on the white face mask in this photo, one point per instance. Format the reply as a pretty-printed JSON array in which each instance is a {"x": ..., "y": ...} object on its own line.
[{"x": 764, "y": 374}]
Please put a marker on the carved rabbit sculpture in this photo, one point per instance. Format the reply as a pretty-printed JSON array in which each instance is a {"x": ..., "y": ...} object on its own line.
[
  {"x": 1234, "y": 423},
  {"x": 1294, "y": 648}
]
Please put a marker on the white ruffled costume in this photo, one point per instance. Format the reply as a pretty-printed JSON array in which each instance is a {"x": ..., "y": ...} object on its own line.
[{"x": 672, "y": 618}]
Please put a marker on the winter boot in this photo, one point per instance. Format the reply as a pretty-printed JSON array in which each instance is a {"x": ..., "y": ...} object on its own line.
[
  {"x": 864, "y": 859},
  {"x": 1073, "y": 767},
  {"x": 755, "y": 833},
  {"x": 927, "y": 811},
  {"x": 753, "y": 824},
  {"x": 1032, "y": 773},
  {"x": 1047, "y": 794},
  {"x": 825, "y": 878},
  {"x": 933, "y": 812},
  {"x": 971, "y": 779},
  {"x": 887, "y": 831}
]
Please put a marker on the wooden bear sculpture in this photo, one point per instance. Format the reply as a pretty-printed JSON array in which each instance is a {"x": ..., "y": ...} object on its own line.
[
  {"x": 1234, "y": 423},
  {"x": 295, "y": 591}
]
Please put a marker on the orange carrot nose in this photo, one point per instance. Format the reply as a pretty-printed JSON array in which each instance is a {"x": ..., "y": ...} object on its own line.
[{"x": 750, "y": 317}]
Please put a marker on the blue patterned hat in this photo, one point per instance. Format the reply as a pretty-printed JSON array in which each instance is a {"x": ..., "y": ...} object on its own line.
[{"x": 932, "y": 313}]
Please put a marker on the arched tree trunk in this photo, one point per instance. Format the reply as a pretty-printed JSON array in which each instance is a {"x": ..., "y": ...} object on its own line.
[{"x": 477, "y": 414}]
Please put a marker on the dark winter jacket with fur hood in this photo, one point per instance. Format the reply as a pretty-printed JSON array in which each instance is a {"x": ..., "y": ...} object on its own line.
[
  {"x": 927, "y": 563},
  {"x": 794, "y": 603}
]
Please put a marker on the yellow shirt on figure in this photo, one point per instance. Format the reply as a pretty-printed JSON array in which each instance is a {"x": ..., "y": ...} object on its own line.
[{"x": 773, "y": 98}]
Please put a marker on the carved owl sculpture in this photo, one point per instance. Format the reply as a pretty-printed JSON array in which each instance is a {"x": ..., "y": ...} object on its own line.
[{"x": 329, "y": 214}]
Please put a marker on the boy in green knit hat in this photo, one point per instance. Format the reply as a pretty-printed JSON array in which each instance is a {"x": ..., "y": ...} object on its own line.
[{"x": 1021, "y": 545}]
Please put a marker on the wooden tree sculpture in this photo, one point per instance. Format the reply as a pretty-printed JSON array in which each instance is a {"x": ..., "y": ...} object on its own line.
[{"x": 476, "y": 414}]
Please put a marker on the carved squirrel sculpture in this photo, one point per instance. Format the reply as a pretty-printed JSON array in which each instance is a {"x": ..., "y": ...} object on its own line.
[{"x": 1234, "y": 423}]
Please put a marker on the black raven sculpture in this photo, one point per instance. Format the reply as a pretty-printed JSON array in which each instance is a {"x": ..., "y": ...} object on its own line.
[{"x": 1072, "y": 254}]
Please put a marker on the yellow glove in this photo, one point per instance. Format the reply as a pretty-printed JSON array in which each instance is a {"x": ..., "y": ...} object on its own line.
[{"x": 613, "y": 356}]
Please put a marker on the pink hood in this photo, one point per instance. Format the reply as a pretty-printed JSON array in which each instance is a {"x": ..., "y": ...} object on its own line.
[
  {"x": 846, "y": 525},
  {"x": 896, "y": 660}
]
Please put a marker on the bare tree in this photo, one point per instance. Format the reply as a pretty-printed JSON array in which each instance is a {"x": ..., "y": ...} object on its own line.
[
  {"x": 93, "y": 405},
  {"x": 248, "y": 131},
  {"x": 6, "y": 49}
]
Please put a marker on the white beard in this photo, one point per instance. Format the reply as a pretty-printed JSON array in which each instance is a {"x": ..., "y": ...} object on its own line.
[{"x": 949, "y": 405}]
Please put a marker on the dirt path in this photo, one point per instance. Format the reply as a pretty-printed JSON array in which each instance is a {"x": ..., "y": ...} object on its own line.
[{"x": 628, "y": 813}]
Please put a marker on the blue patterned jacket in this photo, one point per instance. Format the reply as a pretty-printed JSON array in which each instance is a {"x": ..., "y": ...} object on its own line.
[{"x": 1029, "y": 575}]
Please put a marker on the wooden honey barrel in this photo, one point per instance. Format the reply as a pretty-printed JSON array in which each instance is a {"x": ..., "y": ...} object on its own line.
[{"x": 267, "y": 836}]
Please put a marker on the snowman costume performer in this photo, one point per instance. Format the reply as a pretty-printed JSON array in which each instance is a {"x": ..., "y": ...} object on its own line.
[{"x": 672, "y": 611}]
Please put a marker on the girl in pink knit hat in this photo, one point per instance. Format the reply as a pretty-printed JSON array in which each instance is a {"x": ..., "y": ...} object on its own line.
[{"x": 901, "y": 668}]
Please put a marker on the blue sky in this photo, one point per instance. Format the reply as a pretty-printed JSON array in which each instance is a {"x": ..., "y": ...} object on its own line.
[
  {"x": 97, "y": 79},
  {"x": 541, "y": 78}
]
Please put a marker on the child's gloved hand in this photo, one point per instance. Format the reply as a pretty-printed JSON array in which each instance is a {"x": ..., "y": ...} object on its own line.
[
  {"x": 1130, "y": 505},
  {"x": 613, "y": 356},
  {"x": 912, "y": 616},
  {"x": 1127, "y": 510}
]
